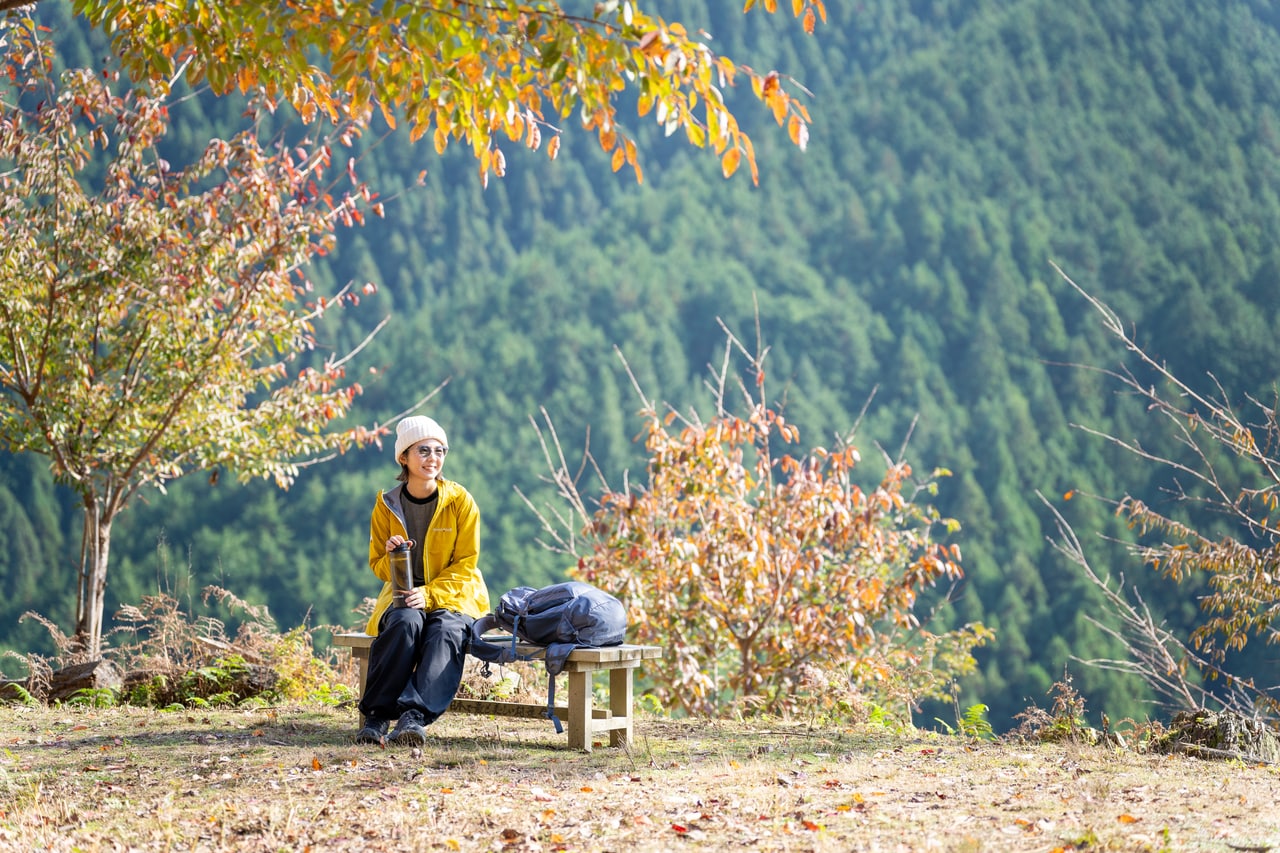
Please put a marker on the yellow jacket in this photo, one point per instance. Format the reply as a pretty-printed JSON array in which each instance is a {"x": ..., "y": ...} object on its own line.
[{"x": 451, "y": 552}]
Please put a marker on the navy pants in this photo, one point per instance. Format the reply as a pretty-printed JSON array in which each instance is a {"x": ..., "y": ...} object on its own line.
[{"x": 415, "y": 663}]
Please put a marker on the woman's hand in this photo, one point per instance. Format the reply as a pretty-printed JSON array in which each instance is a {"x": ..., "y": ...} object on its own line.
[{"x": 395, "y": 541}]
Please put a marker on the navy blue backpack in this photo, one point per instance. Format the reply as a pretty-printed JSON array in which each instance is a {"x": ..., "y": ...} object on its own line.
[{"x": 561, "y": 617}]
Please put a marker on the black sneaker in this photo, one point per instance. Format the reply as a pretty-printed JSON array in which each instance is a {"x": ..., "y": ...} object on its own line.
[
  {"x": 374, "y": 731},
  {"x": 410, "y": 730}
]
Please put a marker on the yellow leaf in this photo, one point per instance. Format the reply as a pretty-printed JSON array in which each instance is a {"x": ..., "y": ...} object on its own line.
[
  {"x": 619, "y": 158},
  {"x": 797, "y": 6},
  {"x": 553, "y": 147}
]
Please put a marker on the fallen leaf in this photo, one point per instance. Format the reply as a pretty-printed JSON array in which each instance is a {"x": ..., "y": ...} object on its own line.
[{"x": 1127, "y": 818}]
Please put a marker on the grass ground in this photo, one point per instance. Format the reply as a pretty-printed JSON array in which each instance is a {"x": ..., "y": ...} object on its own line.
[{"x": 291, "y": 778}]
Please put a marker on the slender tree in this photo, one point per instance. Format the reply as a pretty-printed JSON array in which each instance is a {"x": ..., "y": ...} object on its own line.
[
  {"x": 1239, "y": 566},
  {"x": 155, "y": 320}
]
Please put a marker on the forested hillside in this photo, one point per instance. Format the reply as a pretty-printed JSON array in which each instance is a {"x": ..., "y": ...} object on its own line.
[{"x": 904, "y": 258}]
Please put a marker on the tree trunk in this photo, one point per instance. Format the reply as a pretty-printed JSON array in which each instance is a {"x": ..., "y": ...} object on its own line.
[
  {"x": 94, "y": 675},
  {"x": 95, "y": 546}
]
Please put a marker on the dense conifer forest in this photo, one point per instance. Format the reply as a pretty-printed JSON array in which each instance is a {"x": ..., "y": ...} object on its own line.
[{"x": 902, "y": 269}]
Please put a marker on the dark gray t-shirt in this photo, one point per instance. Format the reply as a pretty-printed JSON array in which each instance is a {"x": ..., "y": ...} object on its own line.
[{"x": 417, "y": 521}]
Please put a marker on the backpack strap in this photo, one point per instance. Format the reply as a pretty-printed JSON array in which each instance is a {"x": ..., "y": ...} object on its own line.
[
  {"x": 556, "y": 655},
  {"x": 479, "y": 647}
]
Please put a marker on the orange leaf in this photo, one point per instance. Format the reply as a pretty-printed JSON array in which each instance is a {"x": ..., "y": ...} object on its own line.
[
  {"x": 729, "y": 164},
  {"x": 315, "y": 763},
  {"x": 1127, "y": 818},
  {"x": 648, "y": 40},
  {"x": 388, "y": 115}
]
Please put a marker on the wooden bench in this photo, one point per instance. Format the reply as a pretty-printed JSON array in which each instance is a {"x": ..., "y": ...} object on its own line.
[{"x": 581, "y": 720}]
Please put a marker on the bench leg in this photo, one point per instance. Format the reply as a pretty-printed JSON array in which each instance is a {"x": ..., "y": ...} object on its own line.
[
  {"x": 620, "y": 702},
  {"x": 580, "y": 711},
  {"x": 362, "y": 666}
]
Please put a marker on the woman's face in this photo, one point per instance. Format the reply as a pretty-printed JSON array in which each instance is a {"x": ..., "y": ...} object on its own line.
[{"x": 425, "y": 460}]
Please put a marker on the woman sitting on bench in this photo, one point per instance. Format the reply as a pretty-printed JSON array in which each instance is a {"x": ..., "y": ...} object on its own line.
[{"x": 419, "y": 646}]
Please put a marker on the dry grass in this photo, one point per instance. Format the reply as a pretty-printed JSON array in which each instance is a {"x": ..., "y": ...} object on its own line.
[{"x": 292, "y": 779}]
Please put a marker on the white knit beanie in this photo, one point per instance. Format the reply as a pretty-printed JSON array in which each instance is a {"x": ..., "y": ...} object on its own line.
[{"x": 417, "y": 428}]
